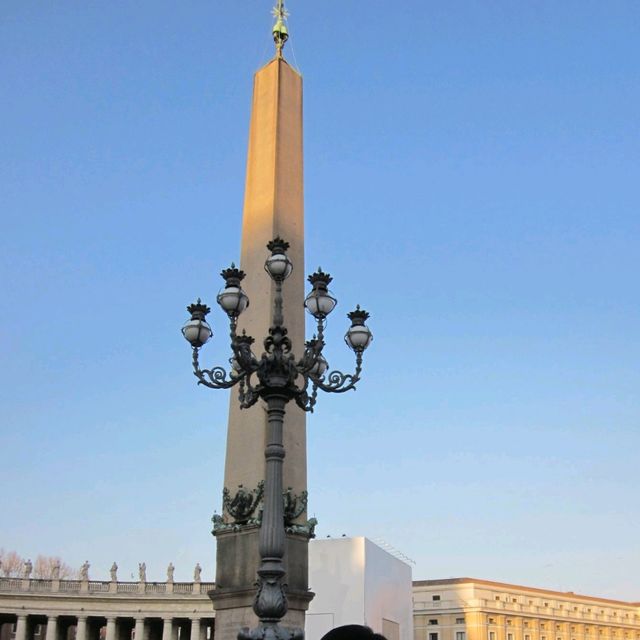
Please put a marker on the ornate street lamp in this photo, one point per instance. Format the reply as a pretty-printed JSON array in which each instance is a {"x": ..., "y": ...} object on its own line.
[{"x": 277, "y": 377}]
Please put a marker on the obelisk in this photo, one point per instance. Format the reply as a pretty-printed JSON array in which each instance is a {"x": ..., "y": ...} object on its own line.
[{"x": 273, "y": 206}]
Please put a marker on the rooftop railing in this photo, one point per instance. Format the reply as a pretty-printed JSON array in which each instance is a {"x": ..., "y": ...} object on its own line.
[{"x": 90, "y": 587}]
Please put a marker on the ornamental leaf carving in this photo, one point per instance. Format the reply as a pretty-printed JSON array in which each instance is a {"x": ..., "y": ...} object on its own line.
[{"x": 242, "y": 505}]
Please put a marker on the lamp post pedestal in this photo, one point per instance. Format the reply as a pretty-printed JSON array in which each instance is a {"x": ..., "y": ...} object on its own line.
[{"x": 233, "y": 602}]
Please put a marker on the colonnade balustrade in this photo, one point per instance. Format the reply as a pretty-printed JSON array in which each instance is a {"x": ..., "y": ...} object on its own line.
[{"x": 100, "y": 586}]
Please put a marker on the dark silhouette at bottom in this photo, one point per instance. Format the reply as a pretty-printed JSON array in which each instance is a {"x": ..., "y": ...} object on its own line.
[{"x": 352, "y": 632}]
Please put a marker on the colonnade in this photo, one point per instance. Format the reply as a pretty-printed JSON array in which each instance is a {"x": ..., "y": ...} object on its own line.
[{"x": 104, "y": 627}]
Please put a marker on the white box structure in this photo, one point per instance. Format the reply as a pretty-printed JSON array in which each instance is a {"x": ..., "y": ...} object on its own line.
[{"x": 358, "y": 582}]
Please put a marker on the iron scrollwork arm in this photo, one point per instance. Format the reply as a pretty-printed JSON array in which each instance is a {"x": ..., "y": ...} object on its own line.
[
  {"x": 305, "y": 400},
  {"x": 338, "y": 382},
  {"x": 214, "y": 378}
]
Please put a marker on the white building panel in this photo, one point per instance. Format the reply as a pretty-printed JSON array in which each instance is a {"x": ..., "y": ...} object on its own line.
[{"x": 357, "y": 582}]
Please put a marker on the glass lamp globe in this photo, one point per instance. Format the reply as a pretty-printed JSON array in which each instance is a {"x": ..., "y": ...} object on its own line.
[
  {"x": 358, "y": 338},
  {"x": 320, "y": 303},
  {"x": 196, "y": 332},
  {"x": 233, "y": 301},
  {"x": 235, "y": 368},
  {"x": 319, "y": 368},
  {"x": 278, "y": 266}
]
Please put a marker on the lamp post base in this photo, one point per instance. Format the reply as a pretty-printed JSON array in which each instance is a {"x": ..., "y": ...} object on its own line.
[
  {"x": 271, "y": 632},
  {"x": 234, "y": 611}
]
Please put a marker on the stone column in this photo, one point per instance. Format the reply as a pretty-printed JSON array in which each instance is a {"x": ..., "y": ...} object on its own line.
[
  {"x": 52, "y": 628},
  {"x": 21, "y": 628},
  {"x": 195, "y": 629},
  {"x": 139, "y": 633},
  {"x": 167, "y": 629},
  {"x": 111, "y": 629},
  {"x": 81, "y": 628}
]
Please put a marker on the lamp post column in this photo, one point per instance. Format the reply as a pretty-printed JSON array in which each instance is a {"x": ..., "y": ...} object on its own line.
[{"x": 271, "y": 602}]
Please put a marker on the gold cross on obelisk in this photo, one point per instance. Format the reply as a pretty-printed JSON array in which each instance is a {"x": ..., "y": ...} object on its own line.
[{"x": 280, "y": 31}]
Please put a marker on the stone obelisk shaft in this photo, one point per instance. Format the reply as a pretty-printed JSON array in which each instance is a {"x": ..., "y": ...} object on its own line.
[{"x": 273, "y": 206}]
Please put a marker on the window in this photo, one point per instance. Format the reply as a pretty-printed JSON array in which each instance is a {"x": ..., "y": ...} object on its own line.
[
  {"x": 492, "y": 635},
  {"x": 542, "y": 625},
  {"x": 435, "y": 598},
  {"x": 514, "y": 599},
  {"x": 527, "y": 637},
  {"x": 509, "y": 623},
  {"x": 433, "y": 636},
  {"x": 497, "y": 597},
  {"x": 459, "y": 620},
  {"x": 509, "y": 636},
  {"x": 492, "y": 620},
  {"x": 460, "y": 635},
  {"x": 546, "y": 604},
  {"x": 433, "y": 621}
]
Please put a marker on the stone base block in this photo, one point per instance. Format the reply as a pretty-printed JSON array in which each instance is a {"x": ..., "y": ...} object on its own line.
[
  {"x": 237, "y": 561},
  {"x": 238, "y": 558}
]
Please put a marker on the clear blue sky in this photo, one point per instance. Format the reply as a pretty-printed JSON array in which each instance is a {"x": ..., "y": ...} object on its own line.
[{"x": 471, "y": 178}]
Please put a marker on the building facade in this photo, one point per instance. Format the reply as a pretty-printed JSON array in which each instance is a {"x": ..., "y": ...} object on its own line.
[
  {"x": 453, "y": 609},
  {"x": 470, "y": 609}
]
